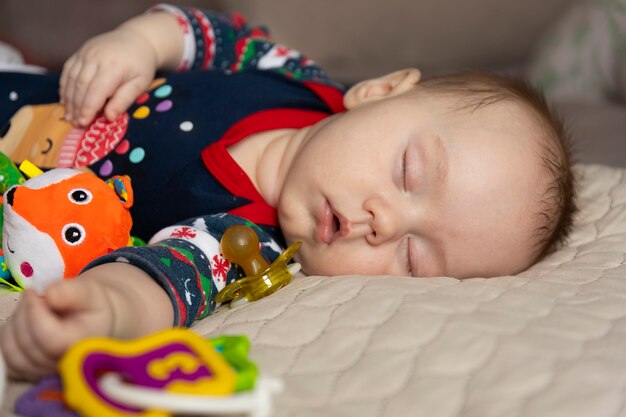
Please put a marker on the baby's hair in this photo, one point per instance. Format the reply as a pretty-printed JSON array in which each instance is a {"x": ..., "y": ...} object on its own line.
[{"x": 480, "y": 89}]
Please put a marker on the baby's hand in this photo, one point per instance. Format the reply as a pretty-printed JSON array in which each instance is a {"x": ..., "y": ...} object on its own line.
[
  {"x": 44, "y": 326},
  {"x": 108, "y": 72}
]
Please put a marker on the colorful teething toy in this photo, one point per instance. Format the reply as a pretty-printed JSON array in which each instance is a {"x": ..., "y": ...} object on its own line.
[
  {"x": 44, "y": 400},
  {"x": 175, "y": 370},
  {"x": 240, "y": 245}
]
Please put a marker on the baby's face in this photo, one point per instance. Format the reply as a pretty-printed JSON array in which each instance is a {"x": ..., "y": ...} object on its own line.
[{"x": 407, "y": 186}]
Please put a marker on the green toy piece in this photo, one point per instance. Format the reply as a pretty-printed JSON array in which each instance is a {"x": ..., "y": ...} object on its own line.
[{"x": 10, "y": 175}]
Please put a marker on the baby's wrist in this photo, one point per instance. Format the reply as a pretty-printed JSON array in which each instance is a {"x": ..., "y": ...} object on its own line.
[
  {"x": 136, "y": 304},
  {"x": 119, "y": 307},
  {"x": 147, "y": 51},
  {"x": 159, "y": 31}
]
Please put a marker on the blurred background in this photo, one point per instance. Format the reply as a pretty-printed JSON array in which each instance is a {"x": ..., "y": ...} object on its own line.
[
  {"x": 352, "y": 39},
  {"x": 356, "y": 39}
]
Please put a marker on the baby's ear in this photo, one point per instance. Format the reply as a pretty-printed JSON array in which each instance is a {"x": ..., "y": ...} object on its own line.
[{"x": 388, "y": 85}]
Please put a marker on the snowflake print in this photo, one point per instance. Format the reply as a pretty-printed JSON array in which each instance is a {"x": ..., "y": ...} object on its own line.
[
  {"x": 184, "y": 232},
  {"x": 219, "y": 267},
  {"x": 183, "y": 23},
  {"x": 282, "y": 50}
]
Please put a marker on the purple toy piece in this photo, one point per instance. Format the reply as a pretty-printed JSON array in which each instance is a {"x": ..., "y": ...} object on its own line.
[
  {"x": 135, "y": 370},
  {"x": 44, "y": 400}
]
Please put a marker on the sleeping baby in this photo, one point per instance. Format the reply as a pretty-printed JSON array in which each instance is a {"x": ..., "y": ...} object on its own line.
[{"x": 464, "y": 175}]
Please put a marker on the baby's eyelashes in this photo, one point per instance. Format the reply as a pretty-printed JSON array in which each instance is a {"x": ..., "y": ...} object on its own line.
[
  {"x": 404, "y": 170},
  {"x": 411, "y": 169}
]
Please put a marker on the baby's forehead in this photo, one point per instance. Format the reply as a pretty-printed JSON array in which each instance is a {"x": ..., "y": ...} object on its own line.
[
  {"x": 508, "y": 130},
  {"x": 499, "y": 108},
  {"x": 506, "y": 117}
]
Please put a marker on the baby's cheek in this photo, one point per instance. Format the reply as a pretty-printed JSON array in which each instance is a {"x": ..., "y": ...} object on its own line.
[
  {"x": 328, "y": 263},
  {"x": 308, "y": 267},
  {"x": 312, "y": 262}
]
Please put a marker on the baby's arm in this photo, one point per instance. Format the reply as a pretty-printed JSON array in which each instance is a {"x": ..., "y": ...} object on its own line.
[
  {"x": 118, "y": 66},
  {"x": 115, "y": 300},
  {"x": 125, "y": 294},
  {"x": 226, "y": 42}
]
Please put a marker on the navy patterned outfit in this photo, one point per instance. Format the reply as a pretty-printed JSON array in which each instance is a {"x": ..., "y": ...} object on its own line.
[{"x": 233, "y": 81}]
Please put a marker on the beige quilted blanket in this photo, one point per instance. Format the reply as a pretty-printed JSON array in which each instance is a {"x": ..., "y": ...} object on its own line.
[{"x": 549, "y": 342}]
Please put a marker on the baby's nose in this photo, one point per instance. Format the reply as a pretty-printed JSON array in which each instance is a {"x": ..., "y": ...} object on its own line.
[{"x": 385, "y": 223}]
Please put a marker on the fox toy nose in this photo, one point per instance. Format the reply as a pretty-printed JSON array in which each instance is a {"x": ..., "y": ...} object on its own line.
[{"x": 11, "y": 195}]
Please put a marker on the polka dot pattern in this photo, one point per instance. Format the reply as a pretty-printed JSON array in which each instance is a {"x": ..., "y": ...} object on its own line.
[
  {"x": 160, "y": 90},
  {"x": 137, "y": 155},
  {"x": 142, "y": 98},
  {"x": 163, "y": 91},
  {"x": 164, "y": 106},
  {"x": 123, "y": 147},
  {"x": 142, "y": 112},
  {"x": 186, "y": 126},
  {"x": 106, "y": 169}
]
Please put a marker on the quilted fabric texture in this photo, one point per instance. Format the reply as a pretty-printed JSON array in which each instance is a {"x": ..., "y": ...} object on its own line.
[{"x": 549, "y": 342}]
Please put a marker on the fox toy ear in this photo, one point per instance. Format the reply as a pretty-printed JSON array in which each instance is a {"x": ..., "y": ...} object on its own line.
[{"x": 122, "y": 187}]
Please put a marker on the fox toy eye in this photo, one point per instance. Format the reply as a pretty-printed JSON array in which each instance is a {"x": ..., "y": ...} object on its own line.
[
  {"x": 80, "y": 196},
  {"x": 73, "y": 234}
]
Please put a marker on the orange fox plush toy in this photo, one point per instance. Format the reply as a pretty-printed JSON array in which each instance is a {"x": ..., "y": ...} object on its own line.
[{"x": 57, "y": 222}]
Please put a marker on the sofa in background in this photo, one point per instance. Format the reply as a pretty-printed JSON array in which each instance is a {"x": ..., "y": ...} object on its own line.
[{"x": 353, "y": 40}]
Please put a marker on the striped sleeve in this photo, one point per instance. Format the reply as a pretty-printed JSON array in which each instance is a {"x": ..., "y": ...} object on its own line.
[{"x": 225, "y": 42}]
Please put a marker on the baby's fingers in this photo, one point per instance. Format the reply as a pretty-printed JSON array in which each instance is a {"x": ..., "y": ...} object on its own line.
[
  {"x": 71, "y": 69},
  {"x": 33, "y": 309},
  {"x": 124, "y": 97},
  {"x": 105, "y": 83},
  {"x": 63, "y": 81},
  {"x": 24, "y": 358},
  {"x": 18, "y": 365},
  {"x": 82, "y": 85},
  {"x": 47, "y": 329}
]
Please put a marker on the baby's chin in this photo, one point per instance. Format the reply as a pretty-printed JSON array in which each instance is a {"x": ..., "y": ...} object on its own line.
[
  {"x": 329, "y": 269},
  {"x": 314, "y": 266},
  {"x": 306, "y": 267}
]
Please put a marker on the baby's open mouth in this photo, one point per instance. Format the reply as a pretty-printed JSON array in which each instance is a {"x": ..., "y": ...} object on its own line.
[
  {"x": 328, "y": 224},
  {"x": 336, "y": 225}
]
